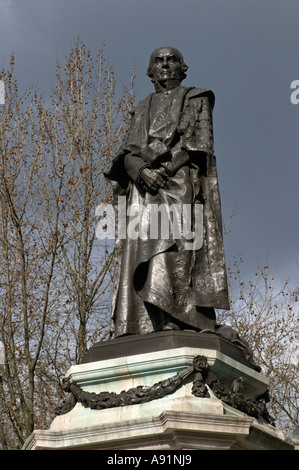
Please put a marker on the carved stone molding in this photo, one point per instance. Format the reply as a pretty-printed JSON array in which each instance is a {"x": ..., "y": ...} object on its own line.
[
  {"x": 205, "y": 384},
  {"x": 133, "y": 396},
  {"x": 204, "y": 378}
]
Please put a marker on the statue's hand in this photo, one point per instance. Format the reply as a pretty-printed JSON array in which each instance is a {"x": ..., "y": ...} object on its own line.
[{"x": 153, "y": 179}]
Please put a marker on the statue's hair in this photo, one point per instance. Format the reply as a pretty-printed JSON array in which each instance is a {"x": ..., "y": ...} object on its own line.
[{"x": 184, "y": 66}]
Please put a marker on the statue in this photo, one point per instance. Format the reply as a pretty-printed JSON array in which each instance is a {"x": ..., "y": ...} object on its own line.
[{"x": 167, "y": 160}]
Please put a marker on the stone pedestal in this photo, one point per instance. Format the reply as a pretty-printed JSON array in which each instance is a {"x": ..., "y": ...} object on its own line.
[{"x": 177, "y": 421}]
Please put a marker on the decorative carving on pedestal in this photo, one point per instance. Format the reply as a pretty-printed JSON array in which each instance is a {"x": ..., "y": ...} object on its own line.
[
  {"x": 133, "y": 396},
  {"x": 205, "y": 385},
  {"x": 206, "y": 380}
]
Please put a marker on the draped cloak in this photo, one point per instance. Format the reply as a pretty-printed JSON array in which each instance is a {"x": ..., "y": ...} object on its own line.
[{"x": 158, "y": 279}]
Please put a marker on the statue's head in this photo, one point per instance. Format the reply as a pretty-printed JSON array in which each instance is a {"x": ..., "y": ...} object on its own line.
[{"x": 167, "y": 64}]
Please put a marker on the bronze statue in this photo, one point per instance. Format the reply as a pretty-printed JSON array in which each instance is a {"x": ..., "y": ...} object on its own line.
[{"x": 167, "y": 158}]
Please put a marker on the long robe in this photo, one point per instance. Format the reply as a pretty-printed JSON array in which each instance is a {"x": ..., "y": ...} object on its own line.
[{"x": 157, "y": 279}]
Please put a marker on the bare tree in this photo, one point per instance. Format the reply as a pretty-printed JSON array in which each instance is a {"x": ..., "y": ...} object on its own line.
[
  {"x": 27, "y": 266},
  {"x": 267, "y": 316},
  {"x": 54, "y": 277},
  {"x": 84, "y": 130}
]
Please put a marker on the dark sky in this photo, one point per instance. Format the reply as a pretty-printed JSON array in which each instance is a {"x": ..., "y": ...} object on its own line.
[{"x": 246, "y": 51}]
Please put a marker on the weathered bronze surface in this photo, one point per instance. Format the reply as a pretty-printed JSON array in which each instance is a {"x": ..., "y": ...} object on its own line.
[
  {"x": 223, "y": 339},
  {"x": 167, "y": 157}
]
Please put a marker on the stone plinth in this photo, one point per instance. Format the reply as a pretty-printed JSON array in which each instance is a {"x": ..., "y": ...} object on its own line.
[{"x": 178, "y": 421}]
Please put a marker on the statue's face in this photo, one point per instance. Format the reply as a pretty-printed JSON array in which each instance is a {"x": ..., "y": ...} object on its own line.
[{"x": 166, "y": 65}]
